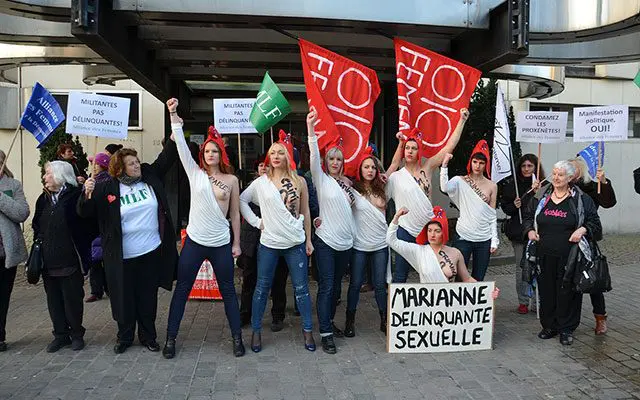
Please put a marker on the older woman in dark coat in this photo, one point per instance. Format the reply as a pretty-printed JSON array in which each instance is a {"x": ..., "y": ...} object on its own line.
[
  {"x": 65, "y": 249},
  {"x": 562, "y": 218},
  {"x": 138, "y": 240}
]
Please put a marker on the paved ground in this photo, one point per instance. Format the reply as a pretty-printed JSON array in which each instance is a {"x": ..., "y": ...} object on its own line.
[{"x": 520, "y": 366}]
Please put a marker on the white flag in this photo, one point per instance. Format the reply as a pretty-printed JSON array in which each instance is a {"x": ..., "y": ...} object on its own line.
[{"x": 501, "y": 160}]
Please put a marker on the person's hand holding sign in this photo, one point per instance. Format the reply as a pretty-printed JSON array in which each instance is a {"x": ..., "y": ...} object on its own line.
[{"x": 89, "y": 187}]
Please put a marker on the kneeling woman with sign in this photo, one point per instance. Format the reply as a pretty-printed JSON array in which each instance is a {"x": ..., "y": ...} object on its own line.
[{"x": 429, "y": 256}]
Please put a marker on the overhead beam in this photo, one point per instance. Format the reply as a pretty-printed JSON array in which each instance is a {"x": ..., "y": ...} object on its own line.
[
  {"x": 506, "y": 41},
  {"x": 107, "y": 33}
]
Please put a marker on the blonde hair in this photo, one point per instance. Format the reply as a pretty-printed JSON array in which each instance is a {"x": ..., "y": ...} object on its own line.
[
  {"x": 290, "y": 173},
  {"x": 582, "y": 171},
  {"x": 5, "y": 172},
  {"x": 334, "y": 152}
]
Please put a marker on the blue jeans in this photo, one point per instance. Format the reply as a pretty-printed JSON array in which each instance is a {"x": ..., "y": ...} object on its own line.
[
  {"x": 298, "y": 263},
  {"x": 331, "y": 267},
  {"x": 189, "y": 264},
  {"x": 481, "y": 253},
  {"x": 360, "y": 260},
  {"x": 402, "y": 266}
]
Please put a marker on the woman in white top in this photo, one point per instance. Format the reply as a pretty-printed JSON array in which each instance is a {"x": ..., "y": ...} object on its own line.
[
  {"x": 214, "y": 195},
  {"x": 334, "y": 230},
  {"x": 411, "y": 186},
  {"x": 430, "y": 257},
  {"x": 286, "y": 232},
  {"x": 369, "y": 246}
]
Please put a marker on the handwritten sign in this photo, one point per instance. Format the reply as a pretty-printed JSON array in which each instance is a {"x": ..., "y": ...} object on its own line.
[
  {"x": 600, "y": 124},
  {"x": 97, "y": 115},
  {"x": 232, "y": 115},
  {"x": 440, "y": 317},
  {"x": 541, "y": 126}
]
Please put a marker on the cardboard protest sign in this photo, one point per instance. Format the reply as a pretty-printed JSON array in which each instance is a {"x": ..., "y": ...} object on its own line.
[
  {"x": 541, "y": 126},
  {"x": 600, "y": 124},
  {"x": 431, "y": 91},
  {"x": 97, "y": 115},
  {"x": 233, "y": 115},
  {"x": 440, "y": 317}
]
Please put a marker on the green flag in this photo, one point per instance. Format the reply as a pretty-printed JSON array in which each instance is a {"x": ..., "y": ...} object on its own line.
[
  {"x": 636, "y": 80},
  {"x": 270, "y": 107}
]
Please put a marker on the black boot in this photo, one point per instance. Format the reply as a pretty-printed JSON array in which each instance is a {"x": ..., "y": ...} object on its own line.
[
  {"x": 383, "y": 322},
  {"x": 349, "y": 330},
  {"x": 169, "y": 350},
  {"x": 328, "y": 345},
  {"x": 238, "y": 346},
  {"x": 336, "y": 331}
]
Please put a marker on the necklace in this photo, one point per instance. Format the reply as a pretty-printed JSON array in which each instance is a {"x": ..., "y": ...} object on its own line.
[{"x": 560, "y": 197}]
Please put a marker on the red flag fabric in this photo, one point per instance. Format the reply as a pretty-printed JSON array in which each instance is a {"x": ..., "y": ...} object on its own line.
[
  {"x": 343, "y": 93},
  {"x": 431, "y": 91}
]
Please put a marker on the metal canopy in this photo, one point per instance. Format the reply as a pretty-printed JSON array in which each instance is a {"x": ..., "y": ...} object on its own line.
[{"x": 161, "y": 44}]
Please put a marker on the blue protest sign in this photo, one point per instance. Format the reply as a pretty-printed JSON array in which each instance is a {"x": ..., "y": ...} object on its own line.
[
  {"x": 42, "y": 115},
  {"x": 590, "y": 156}
]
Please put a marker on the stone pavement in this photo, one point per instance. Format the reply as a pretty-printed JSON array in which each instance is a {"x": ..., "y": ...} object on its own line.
[{"x": 521, "y": 366}]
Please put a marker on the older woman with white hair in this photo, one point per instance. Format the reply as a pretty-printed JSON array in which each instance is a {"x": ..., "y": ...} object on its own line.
[
  {"x": 562, "y": 217},
  {"x": 65, "y": 249}
]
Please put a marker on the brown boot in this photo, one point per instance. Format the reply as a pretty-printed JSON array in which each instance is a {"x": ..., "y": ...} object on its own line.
[{"x": 601, "y": 324}]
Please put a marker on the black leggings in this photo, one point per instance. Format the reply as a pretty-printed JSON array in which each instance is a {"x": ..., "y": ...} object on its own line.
[{"x": 560, "y": 307}]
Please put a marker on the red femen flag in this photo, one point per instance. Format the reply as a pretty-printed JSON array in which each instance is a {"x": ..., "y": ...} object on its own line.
[
  {"x": 343, "y": 92},
  {"x": 431, "y": 91}
]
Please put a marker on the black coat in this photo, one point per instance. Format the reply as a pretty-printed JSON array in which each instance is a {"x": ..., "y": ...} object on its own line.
[
  {"x": 507, "y": 195},
  {"x": 60, "y": 228},
  {"x": 636, "y": 180},
  {"x": 591, "y": 218},
  {"x": 105, "y": 205},
  {"x": 605, "y": 199}
]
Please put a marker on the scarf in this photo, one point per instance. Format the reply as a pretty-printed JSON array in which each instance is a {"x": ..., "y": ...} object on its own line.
[{"x": 128, "y": 180}]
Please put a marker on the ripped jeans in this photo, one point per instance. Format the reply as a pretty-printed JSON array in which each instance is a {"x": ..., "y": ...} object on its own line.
[{"x": 298, "y": 263}]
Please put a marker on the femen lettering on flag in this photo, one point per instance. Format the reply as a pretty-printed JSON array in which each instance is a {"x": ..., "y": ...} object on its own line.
[
  {"x": 343, "y": 92},
  {"x": 431, "y": 91}
]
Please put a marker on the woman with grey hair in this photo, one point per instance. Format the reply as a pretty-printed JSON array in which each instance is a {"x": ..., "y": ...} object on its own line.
[
  {"x": 13, "y": 211},
  {"x": 561, "y": 219},
  {"x": 334, "y": 230},
  {"x": 66, "y": 243}
]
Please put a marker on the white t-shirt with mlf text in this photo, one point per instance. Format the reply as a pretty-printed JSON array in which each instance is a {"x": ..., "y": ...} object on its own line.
[{"x": 139, "y": 218}]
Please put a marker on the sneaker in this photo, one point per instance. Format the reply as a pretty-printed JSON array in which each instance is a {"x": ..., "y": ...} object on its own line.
[
  {"x": 547, "y": 334},
  {"x": 57, "y": 344},
  {"x": 566, "y": 338},
  {"x": 337, "y": 332},
  {"x": 523, "y": 309},
  {"x": 77, "y": 344}
]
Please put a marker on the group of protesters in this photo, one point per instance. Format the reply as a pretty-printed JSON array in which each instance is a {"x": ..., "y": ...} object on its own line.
[{"x": 116, "y": 225}]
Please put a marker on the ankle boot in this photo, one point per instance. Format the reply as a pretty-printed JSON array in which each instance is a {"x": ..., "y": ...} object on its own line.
[
  {"x": 601, "y": 324},
  {"x": 169, "y": 350},
  {"x": 349, "y": 330},
  {"x": 383, "y": 322},
  {"x": 238, "y": 346}
]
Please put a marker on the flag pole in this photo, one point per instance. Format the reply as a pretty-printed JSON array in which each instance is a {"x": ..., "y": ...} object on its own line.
[
  {"x": 13, "y": 141},
  {"x": 539, "y": 159},
  {"x": 239, "y": 152},
  {"x": 271, "y": 134},
  {"x": 91, "y": 166},
  {"x": 513, "y": 166},
  {"x": 599, "y": 144}
]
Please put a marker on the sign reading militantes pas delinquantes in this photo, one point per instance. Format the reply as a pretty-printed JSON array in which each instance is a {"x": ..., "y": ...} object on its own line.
[
  {"x": 232, "y": 115},
  {"x": 97, "y": 115}
]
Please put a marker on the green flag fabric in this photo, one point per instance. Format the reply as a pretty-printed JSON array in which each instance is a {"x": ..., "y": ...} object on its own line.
[
  {"x": 270, "y": 107},
  {"x": 636, "y": 80}
]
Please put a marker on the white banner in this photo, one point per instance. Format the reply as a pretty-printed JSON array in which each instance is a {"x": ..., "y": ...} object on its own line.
[
  {"x": 541, "y": 126},
  {"x": 97, "y": 115},
  {"x": 440, "y": 317},
  {"x": 600, "y": 124},
  {"x": 501, "y": 159},
  {"x": 232, "y": 115}
]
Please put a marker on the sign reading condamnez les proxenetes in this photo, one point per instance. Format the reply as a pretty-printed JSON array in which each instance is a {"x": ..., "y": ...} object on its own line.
[{"x": 440, "y": 317}]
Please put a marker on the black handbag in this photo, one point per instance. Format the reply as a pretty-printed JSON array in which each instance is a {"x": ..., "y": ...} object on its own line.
[
  {"x": 35, "y": 262},
  {"x": 593, "y": 276}
]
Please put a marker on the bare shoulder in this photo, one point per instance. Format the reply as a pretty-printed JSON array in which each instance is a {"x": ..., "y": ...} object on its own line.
[
  {"x": 302, "y": 182},
  {"x": 452, "y": 251},
  {"x": 231, "y": 179}
]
